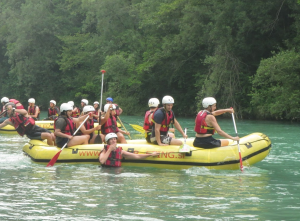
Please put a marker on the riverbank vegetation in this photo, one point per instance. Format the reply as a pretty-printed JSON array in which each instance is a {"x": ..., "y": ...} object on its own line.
[{"x": 244, "y": 53}]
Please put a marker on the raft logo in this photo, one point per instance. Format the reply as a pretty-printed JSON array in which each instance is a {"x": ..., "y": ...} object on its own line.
[{"x": 88, "y": 153}]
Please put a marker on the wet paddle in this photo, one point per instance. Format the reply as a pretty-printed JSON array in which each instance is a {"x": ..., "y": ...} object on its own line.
[
  {"x": 136, "y": 127},
  {"x": 54, "y": 159},
  {"x": 98, "y": 139},
  {"x": 184, "y": 148},
  {"x": 238, "y": 143},
  {"x": 124, "y": 127}
]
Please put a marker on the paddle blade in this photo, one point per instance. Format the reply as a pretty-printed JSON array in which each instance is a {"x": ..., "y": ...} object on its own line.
[
  {"x": 138, "y": 128},
  {"x": 184, "y": 148},
  {"x": 98, "y": 139},
  {"x": 54, "y": 159}
]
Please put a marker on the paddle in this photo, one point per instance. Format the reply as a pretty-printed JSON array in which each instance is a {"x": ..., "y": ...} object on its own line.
[
  {"x": 124, "y": 127},
  {"x": 2, "y": 113},
  {"x": 98, "y": 139},
  {"x": 184, "y": 148},
  {"x": 136, "y": 127},
  {"x": 238, "y": 143},
  {"x": 54, "y": 159}
]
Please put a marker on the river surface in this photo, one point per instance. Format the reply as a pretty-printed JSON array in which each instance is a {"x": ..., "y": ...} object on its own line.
[{"x": 268, "y": 190}]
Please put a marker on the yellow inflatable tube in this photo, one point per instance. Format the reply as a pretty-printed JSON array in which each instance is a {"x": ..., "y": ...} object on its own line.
[{"x": 254, "y": 148}]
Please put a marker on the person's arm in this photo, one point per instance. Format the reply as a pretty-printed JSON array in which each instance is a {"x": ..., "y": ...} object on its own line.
[
  {"x": 222, "y": 111},
  {"x": 106, "y": 116},
  {"x": 37, "y": 110},
  {"x": 178, "y": 127},
  {"x": 124, "y": 132},
  {"x": 89, "y": 131},
  {"x": 120, "y": 110},
  {"x": 6, "y": 122},
  {"x": 211, "y": 120},
  {"x": 129, "y": 155},
  {"x": 105, "y": 154},
  {"x": 21, "y": 111}
]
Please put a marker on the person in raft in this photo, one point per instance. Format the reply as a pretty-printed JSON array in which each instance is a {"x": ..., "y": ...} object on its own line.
[
  {"x": 88, "y": 127},
  {"x": 162, "y": 118},
  {"x": 64, "y": 128},
  {"x": 83, "y": 103},
  {"x": 119, "y": 110},
  {"x": 4, "y": 100},
  {"x": 17, "y": 103},
  {"x": 26, "y": 125},
  {"x": 153, "y": 105},
  {"x": 75, "y": 111},
  {"x": 33, "y": 110},
  {"x": 111, "y": 155},
  {"x": 96, "y": 112},
  {"x": 53, "y": 111},
  {"x": 206, "y": 125},
  {"x": 109, "y": 123}
]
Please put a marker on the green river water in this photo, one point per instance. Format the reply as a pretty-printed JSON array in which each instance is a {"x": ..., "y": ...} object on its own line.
[{"x": 268, "y": 190}]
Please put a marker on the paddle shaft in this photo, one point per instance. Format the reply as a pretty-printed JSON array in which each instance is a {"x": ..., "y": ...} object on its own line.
[
  {"x": 103, "y": 71},
  {"x": 238, "y": 143},
  {"x": 54, "y": 159},
  {"x": 2, "y": 113},
  {"x": 124, "y": 127}
]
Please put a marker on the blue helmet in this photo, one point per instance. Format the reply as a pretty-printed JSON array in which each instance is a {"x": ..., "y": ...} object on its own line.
[{"x": 109, "y": 99}]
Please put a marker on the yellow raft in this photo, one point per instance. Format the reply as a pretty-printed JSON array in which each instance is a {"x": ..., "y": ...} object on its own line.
[
  {"x": 254, "y": 148},
  {"x": 47, "y": 124}
]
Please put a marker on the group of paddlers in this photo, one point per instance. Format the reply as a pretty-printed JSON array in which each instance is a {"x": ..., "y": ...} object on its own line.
[{"x": 68, "y": 118}]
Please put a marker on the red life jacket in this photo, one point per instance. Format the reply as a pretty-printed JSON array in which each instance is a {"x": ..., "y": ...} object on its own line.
[
  {"x": 201, "y": 125},
  {"x": 148, "y": 125},
  {"x": 96, "y": 113},
  {"x": 89, "y": 124},
  {"x": 32, "y": 111},
  {"x": 16, "y": 102},
  {"x": 168, "y": 119},
  {"x": 114, "y": 158},
  {"x": 22, "y": 124},
  {"x": 110, "y": 126},
  {"x": 70, "y": 127},
  {"x": 53, "y": 111},
  {"x": 76, "y": 114}
]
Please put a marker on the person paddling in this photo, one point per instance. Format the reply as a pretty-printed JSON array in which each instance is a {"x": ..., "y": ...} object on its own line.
[
  {"x": 26, "y": 125},
  {"x": 109, "y": 123},
  {"x": 64, "y": 127},
  {"x": 206, "y": 125},
  {"x": 111, "y": 155},
  {"x": 162, "y": 118},
  {"x": 33, "y": 110},
  {"x": 88, "y": 127}
]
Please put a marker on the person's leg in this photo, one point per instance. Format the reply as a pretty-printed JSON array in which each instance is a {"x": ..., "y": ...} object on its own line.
[
  {"x": 79, "y": 140},
  {"x": 224, "y": 142},
  {"x": 176, "y": 142},
  {"x": 50, "y": 138},
  {"x": 121, "y": 138}
]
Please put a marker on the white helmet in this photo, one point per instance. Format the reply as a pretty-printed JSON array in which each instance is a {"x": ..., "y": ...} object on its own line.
[
  {"x": 85, "y": 101},
  {"x": 96, "y": 102},
  {"x": 71, "y": 103},
  {"x": 65, "y": 107},
  {"x": 88, "y": 108},
  {"x": 106, "y": 106},
  {"x": 109, "y": 136},
  {"x": 53, "y": 102},
  {"x": 31, "y": 100},
  {"x": 153, "y": 102},
  {"x": 167, "y": 100},
  {"x": 4, "y": 100},
  {"x": 208, "y": 101}
]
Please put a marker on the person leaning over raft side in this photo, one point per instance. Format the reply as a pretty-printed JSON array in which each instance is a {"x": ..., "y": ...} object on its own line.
[
  {"x": 88, "y": 127},
  {"x": 4, "y": 101},
  {"x": 53, "y": 111},
  {"x": 206, "y": 125},
  {"x": 111, "y": 155},
  {"x": 64, "y": 128},
  {"x": 119, "y": 110},
  {"x": 33, "y": 110},
  {"x": 26, "y": 125},
  {"x": 162, "y": 118},
  {"x": 109, "y": 123}
]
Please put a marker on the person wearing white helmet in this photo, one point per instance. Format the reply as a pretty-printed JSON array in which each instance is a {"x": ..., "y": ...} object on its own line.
[
  {"x": 96, "y": 112},
  {"x": 65, "y": 126},
  {"x": 83, "y": 103},
  {"x": 76, "y": 111},
  {"x": 162, "y": 118},
  {"x": 53, "y": 111},
  {"x": 26, "y": 125},
  {"x": 118, "y": 110},
  {"x": 3, "y": 113},
  {"x": 88, "y": 127},
  {"x": 111, "y": 155},
  {"x": 206, "y": 125},
  {"x": 33, "y": 110},
  {"x": 109, "y": 123},
  {"x": 153, "y": 105}
]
